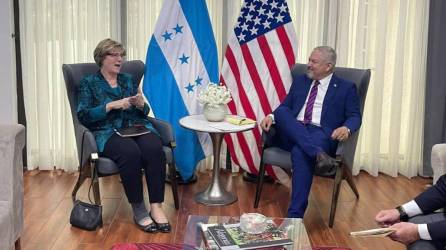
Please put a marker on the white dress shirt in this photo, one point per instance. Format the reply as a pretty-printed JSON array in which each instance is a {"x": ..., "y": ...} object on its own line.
[
  {"x": 411, "y": 208},
  {"x": 317, "y": 107}
]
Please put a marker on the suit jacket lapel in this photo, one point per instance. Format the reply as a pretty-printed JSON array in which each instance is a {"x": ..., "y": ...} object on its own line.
[
  {"x": 330, "y": 95},
  {"x": 305, "y": 90}
]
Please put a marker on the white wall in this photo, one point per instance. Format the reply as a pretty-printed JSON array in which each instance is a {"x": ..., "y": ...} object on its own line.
[{"x": 8, "y": 90}]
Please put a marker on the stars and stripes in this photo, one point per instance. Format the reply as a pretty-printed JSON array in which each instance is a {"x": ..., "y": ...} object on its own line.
[{"x": 256, "y": 68}]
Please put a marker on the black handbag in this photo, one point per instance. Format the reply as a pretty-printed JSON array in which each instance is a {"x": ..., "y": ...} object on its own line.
[{"x": 86, "y": 216}]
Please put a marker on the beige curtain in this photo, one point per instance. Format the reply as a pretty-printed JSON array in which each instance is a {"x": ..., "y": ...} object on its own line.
[
  {"x": 56, "y": 32},
  {"x": 390, "y": 38}
]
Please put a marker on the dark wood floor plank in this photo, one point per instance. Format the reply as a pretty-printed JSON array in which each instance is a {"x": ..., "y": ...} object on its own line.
[{"x": 48, "y": 205}]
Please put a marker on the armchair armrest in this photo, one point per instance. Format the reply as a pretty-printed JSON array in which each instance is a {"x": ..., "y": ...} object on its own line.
[
  {"x": 86, "y": 144},
  {"x": 438, "y": 160},
  {"x": 165, "y": 130},
  {"x": 267, "y": 137},
  {"x": 346, "y": 149}
]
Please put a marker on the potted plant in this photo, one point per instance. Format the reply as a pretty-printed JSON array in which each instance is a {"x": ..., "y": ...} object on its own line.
[{"x": 214, "y": 98}]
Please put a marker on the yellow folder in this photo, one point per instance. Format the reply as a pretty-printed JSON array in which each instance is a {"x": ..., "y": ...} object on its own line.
[{"x": 236, "y": 120}]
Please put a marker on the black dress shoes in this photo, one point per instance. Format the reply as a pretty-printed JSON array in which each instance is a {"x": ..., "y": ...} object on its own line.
[
  {"x": 325, "y": 163},
  {"x": 162, "y": 227}
]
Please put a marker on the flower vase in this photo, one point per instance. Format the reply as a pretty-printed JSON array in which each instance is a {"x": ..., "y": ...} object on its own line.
[{"x": 215, "y": 113}]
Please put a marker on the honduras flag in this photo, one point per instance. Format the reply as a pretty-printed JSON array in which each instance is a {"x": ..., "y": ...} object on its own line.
[{"x": 181, "y": 61}]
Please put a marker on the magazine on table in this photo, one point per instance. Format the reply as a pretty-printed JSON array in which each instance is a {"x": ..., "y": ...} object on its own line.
[
  {"x": 231, "y": 236},
  {"x": 209, "y": 242}
]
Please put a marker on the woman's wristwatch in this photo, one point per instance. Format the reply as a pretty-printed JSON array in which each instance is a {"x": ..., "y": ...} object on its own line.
[{"x": 403, "y": 215}]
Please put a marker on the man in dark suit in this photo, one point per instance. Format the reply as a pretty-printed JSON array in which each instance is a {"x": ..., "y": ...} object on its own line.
[
  {"x": 319, "y": 110},
  {"x": 424, "y": 227}
]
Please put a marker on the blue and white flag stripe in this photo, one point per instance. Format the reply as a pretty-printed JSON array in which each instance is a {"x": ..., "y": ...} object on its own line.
[
  {"x": 181, "y": 60},
  {"x": 198, "y": 18}
]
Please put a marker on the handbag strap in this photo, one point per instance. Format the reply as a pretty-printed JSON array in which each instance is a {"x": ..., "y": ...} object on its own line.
[{"x": 80, "y": 169}]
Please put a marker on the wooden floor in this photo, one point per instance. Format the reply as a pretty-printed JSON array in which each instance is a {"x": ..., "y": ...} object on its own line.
[{"x": 48, "y": 206}]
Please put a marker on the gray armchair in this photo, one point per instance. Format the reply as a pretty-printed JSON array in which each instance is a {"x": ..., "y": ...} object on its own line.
[
  {"x": 12, "y": 141},
  {"x": 438, "y": 160},
  {"x": 91, "y": 164},
  {"x": 344, "y": 154}
]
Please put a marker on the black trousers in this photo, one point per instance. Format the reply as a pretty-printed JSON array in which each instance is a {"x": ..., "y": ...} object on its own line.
[{"x": 132, "y": 154}]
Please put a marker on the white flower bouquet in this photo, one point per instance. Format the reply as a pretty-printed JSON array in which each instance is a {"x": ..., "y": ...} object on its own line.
[{"x": 214, "y": 95}]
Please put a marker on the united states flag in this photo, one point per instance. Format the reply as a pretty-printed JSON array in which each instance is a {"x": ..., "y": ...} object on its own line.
[{"x": 260, "y": 53}]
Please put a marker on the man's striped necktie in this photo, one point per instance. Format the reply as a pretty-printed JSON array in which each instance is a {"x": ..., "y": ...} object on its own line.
[{"x": 310, "y": 103}]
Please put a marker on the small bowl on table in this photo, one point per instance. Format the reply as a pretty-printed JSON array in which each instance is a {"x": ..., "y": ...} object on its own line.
[{"x": 253, "y": 223}]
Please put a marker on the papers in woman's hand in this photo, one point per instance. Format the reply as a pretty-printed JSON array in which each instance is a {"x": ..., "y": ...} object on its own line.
[{"x": 377, "y": 232}]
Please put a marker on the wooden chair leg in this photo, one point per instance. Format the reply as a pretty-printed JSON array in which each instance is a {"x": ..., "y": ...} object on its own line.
[
  {"x": 17, "y": 244},
  {"x": 259, "y": 183},
  {"x": 174, "y": 184},
  {"x": 96, "y": 191},
  {"x": 335, "y": 196},
  {"x": 95, "y": 183},
  {"x": 84, "y": 174},
  {"x": 349, "y": 178}
]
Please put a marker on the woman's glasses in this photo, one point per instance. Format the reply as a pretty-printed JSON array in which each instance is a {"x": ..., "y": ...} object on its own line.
[{"x": 116, "y": 54}]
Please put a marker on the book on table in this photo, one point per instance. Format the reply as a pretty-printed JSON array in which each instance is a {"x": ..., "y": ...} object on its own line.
[{"x": 231, "y": 236}]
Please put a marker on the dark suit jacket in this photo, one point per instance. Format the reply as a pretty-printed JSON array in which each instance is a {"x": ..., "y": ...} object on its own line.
[
  {"x": 340, "y": 106},
  {"x": 430, "y": 200}
]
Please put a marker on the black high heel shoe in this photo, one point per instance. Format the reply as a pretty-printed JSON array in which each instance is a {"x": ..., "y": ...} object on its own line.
[
  {"x": 151, "y": 228},
  {"x": 162, "y": 227}
]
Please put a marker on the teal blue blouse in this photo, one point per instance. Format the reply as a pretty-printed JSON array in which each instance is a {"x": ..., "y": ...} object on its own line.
[{"x": 95, "y": 93}]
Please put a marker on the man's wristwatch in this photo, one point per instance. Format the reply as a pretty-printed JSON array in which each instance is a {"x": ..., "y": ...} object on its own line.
[{"x": 403, "y": 214}]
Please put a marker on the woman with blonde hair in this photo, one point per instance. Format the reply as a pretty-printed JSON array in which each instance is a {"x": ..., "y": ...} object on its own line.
[{"x": 109, "y": 101}]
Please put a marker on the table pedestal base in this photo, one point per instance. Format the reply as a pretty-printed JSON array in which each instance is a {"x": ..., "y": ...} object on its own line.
[{"x": 213, "y": 196}]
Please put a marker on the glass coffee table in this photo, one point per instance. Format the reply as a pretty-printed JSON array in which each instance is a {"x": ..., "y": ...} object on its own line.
[{"x": 194, "y": 237}]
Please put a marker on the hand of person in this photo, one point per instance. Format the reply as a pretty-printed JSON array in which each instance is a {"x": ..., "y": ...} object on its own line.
[
  {"x": 124, "y": 103},
  {"x": 406, "y": 233},
  {"x": 137, "y": 100},
  {"x": 386, "y": 218},
  {"x": 266, "y": 123},
  {"x": 340, "y": 134}
]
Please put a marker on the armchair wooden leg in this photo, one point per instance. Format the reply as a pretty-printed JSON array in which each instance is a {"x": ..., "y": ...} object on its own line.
[
  {"x": 174, "y": 184},
  {"x": 95, "y": 183},
  {"x": 335, "y": 196},
  {"x": 96, "y": 191},
  {"x": 17, "y": 244},
  {"x": 83, "y": 174},
  {"x": 259, "y": 183},
  {"x": 349, "y": 178}
]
